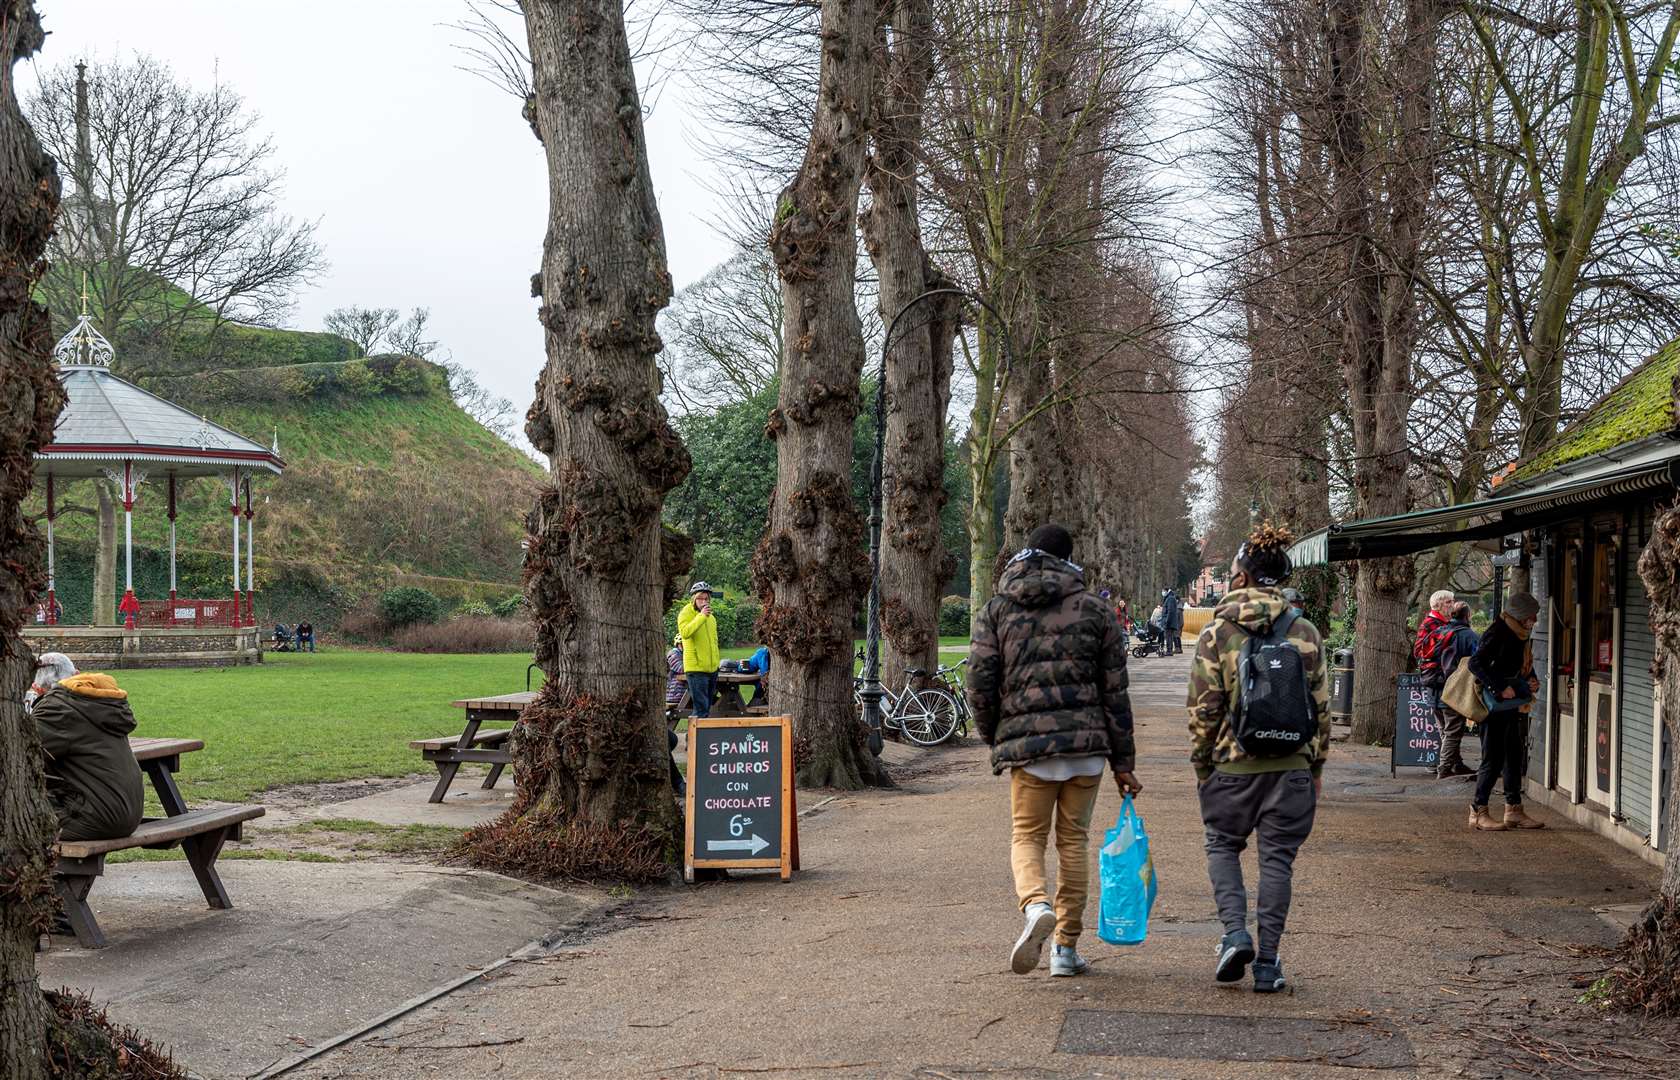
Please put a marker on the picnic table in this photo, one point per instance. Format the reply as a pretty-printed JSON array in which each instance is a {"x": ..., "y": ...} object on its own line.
[
  {"x": 200, "y": 833},
  {"x": 449, "y": 752},
  {"x": 728, "y": 700}
]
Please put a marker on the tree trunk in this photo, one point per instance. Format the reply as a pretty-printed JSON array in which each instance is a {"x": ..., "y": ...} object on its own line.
[
  {"x": 812, "y": 566},
  {"x": 30, "y": 399},
  {"x": 1379, "y": 315},
  {"x": 914, "y": 563},
  {"x": 595, "y": 796},
  {"x": 1647, "y": 976},
  {"x": 105, "y": 558}
]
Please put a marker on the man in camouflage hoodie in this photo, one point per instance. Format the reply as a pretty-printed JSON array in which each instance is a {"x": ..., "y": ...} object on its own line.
[
  {"x": 1048, "y": 691},
  {"x": 1240, "y": 794}
]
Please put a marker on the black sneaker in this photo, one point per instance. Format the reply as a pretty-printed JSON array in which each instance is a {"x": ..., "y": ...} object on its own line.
[
  {"x": 1268, "y": 976},
  {"x": 1236, "y": 949}
]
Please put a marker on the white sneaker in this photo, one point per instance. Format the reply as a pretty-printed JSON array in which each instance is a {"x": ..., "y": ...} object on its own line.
[
  {"x": 1029, "y": 947},
  {"x": 1065, "y": 960}
]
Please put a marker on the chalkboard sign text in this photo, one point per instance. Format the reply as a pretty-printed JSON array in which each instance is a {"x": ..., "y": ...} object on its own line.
[{"x": 740, "y": 805}]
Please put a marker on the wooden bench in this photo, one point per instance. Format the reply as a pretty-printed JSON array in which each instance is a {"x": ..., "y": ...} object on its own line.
[
  {"x": 447, "y": 752},
  {"x": 200, "y": 833}
]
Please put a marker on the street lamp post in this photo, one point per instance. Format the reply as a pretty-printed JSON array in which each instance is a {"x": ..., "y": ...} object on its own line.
[{"x": 871, "y": 691}]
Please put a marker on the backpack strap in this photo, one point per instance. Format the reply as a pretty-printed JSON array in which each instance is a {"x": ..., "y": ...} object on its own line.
[{"x": 1279, "y": 630}]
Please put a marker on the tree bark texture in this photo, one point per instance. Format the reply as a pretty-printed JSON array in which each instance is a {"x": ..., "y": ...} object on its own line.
[
  {"x": 1648, "y": 975},
  {"x": 1379, "y": 316},
  {"x": 914, "y": 563},
  {"x": 30, "y": 399},
  {"x": 105, "y": 557},
  {"x": 811, "y": 568},
  {"x": 595, "y": 797}
]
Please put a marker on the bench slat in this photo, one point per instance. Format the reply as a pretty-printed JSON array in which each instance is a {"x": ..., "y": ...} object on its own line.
[
  {"x": 442, "y": 742},
  {"x": 163, "y": 831}
]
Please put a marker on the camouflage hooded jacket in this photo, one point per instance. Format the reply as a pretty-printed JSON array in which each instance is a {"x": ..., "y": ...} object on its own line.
[
  {"x": 1213, "y": 675},
  {"x": 1048, "y": 669}
]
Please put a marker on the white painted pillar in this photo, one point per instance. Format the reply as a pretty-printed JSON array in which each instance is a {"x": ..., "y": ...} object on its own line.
[
  {"x": 233, "y": 502},
  {"x": 172, "y": 544},
  {"x": 52, "y": 564}
]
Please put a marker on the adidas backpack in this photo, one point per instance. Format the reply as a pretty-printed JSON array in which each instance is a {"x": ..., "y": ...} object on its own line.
[{"x": 1274, "y": 713}]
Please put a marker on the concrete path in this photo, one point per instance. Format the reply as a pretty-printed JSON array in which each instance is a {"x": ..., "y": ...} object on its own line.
[
  {"x": 1417, "y": 948},
  {"x": 310, "y": 950}
]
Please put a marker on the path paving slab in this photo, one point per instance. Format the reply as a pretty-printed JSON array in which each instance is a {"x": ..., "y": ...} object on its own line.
[
  {"x": 1205, "y": 1037},
  {"x": 466, "y": 804},
  {"x": 309, "y": 951}
]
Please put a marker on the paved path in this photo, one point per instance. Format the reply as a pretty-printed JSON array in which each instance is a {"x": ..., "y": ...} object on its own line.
[{"x": 887, "y": 957}]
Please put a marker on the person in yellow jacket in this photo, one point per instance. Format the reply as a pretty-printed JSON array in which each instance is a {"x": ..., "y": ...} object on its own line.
[{"x": 697, "y": 627}]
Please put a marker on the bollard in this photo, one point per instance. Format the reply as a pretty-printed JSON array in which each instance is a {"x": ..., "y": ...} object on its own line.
[{"x": 1341, "y": 687}]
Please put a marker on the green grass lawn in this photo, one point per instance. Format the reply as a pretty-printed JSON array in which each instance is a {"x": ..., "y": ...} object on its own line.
[
  {"x": 311, "y": 718},
  {"x": 319, "y": 717}
]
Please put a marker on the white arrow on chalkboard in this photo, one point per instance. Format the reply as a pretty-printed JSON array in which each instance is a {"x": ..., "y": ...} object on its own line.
[{"x": 753, "y": 846}]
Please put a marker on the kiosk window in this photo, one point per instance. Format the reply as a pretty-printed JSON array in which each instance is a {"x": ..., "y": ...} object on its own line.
[{"x": 1604, "y": 603}]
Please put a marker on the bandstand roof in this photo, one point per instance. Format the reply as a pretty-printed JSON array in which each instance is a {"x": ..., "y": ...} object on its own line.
[{"x": 107, "y": 419}]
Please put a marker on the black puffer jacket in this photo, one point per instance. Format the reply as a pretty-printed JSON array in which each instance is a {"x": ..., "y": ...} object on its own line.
[
  {"x": 93, "y": 781},
  {"x": 1048, "y": 667}
]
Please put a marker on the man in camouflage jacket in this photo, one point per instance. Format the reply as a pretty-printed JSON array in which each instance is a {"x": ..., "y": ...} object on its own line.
[
  {"x": 1048, "y": 690},
  {"x": 1239, "y": 794}
]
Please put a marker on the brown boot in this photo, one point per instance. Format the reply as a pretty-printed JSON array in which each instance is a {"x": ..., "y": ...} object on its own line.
[
  {"x": 1479, "y": 819},
  {"x": 1516, "y": 819}
]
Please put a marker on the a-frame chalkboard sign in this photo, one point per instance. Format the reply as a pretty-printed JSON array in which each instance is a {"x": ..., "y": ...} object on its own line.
[{"x": 740, "y": 807}]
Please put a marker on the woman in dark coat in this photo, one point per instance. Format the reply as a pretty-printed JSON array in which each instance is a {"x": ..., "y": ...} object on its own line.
[{"x": 1504, "y": 666}]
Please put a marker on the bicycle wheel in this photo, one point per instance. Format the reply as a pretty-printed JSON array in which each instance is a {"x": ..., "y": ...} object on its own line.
[{"x": 936, "y": 718}]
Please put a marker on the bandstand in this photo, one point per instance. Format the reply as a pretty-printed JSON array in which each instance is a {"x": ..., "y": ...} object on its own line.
[{"x": 114, "y": 430}]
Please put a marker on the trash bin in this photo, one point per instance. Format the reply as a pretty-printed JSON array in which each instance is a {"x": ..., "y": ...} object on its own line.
[{"x": 1341, "y": 686}]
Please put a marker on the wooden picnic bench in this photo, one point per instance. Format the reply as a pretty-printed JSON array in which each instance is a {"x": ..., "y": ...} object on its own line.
[
  {"x": 728, "y": 700},
  {"x": 449, "y": 752},
  {"x": 200, "y": 834}
]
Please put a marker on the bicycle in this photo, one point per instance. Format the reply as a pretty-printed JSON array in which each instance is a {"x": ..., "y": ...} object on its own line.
[
  {"x": 925, "y": 716},
  {"x": 949, "y": 680}
]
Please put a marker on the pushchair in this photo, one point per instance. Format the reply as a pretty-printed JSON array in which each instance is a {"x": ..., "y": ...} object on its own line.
[
  {"x": 284, "y": 640},
  {"x": 1150, "y": 639}
]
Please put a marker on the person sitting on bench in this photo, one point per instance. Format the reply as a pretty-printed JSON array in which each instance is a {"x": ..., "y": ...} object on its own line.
[{"x": 93, "y": 781}]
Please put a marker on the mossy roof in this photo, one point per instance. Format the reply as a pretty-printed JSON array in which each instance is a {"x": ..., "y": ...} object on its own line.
[{"x": 1640, "y": 406}]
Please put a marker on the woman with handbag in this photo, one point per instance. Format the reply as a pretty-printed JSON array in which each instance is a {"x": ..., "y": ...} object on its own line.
[{"x": 1504, "y": 668}]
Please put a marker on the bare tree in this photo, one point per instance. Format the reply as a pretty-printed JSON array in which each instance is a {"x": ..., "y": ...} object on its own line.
[
  {"x": 30, "y": 399},
  {"x": 172, "y": 192},
  {"x": 914, "y": 562},
  {"x": 724, "y": 332},
  {"x": 595, "y": 795},
  {"x": 365, "y": 328},
  {"x": 409, "y": 336},
  {"x": 493, "y": 412},
  {"x": 810, "y": 568}
]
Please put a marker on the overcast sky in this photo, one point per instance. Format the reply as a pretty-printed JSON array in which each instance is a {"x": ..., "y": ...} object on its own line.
[{"x": 429, "y": 188}]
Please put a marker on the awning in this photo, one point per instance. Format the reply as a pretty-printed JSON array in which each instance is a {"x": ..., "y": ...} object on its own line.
[{"x": 1648, "y": 465}]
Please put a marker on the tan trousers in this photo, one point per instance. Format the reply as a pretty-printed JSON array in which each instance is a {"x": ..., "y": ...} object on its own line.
[{"x": 1033, "y": 803}]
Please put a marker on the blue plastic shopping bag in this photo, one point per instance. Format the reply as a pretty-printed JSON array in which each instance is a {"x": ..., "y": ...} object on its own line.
[{"x": 1128, "y": 880}]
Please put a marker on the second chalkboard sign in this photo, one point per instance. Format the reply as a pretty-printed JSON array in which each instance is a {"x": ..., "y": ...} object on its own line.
[
  {"x": 740, "y": 795},
  {"x": 1417, "y": 735}
]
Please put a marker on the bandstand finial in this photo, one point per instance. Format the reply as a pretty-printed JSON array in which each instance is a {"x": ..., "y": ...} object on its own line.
[{"x": 84, "y": 346}]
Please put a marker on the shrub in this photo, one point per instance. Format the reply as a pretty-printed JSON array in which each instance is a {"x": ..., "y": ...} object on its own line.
[
  {"x": 953, "y": 616},
  {"x": 512, "y": 607},
  {"x": 364, "y": 623},
  {"x": 409, "y": 605},
  {"x": 467, "y": 634},
  {"x": 473, "y": 609}
]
